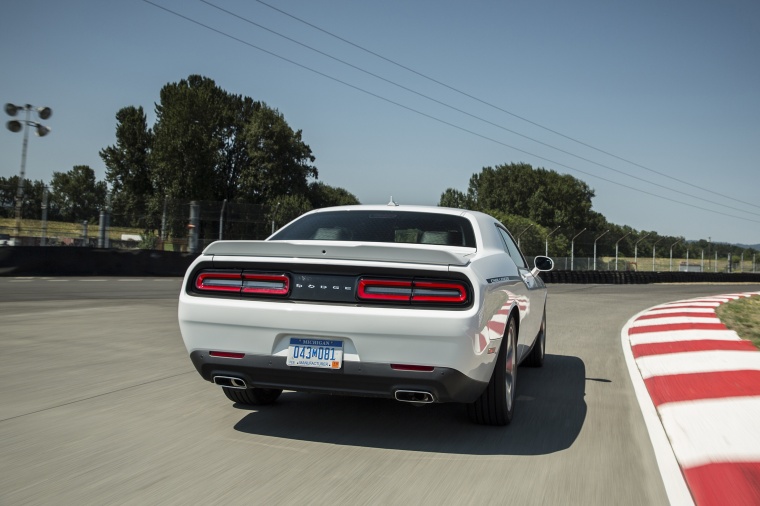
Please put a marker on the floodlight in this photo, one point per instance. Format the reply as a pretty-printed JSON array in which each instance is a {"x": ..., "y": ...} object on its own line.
[
  {"x": 44, "y": 112},
  {"x": 14, "y": 126},
  {"x": 11, "y": 109}
]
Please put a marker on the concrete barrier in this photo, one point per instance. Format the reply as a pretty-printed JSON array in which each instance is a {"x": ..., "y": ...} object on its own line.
[{"x": 73, "y": 261}]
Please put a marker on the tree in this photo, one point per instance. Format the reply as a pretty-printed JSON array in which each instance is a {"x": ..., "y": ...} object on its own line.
[
  {"x": 32, "y": 202},
  {"x": 76, "y": 195},
  {"x": 128, "y": 170},
  {"x": 542, "y": 195},
  {"x": 456, "y": 199},
  {"x": 323, "y": 195},
  {"x": 280, "y": 160},
  {"x": 189, "y": 140}
]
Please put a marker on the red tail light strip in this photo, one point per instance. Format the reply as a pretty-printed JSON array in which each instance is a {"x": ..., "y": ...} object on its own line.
[
  {"x": 384, "y": 289},
  {"x": 411, "y": 367},
  {"x": 247, "y": 283},
  {"x": 226, "y": 354},
  {"x": 442, "y": 292},
  {"x": 433, "y": 291},
  {"x": 218, "y": 282},
  {"x": 269, "y": 284}
]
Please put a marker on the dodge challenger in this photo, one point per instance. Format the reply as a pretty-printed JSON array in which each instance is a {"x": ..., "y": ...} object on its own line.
[{"x": 417, "y": 304}]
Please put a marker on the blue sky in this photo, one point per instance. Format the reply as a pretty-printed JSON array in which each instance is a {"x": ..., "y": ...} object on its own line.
[{"x": 672, "y": 86}]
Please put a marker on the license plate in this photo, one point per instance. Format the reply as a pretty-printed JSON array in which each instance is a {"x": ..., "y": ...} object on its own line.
[{"x": 321, "y": 353}]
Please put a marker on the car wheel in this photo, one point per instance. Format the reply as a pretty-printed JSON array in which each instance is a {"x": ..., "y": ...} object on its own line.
[
  {"x": 252, "y": 396},
  {"x": 536, "y": 357},
  {"x": 496, "y": 404}
]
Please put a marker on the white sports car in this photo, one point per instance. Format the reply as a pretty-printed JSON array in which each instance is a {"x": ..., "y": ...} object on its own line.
[{"x": 417, "y": 304}]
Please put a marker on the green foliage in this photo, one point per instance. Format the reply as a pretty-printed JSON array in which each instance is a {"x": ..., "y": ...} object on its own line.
[
  {"x": 456, "y": 199},
  {"x": 128, "y": 170},
  {"x": 544, "y": 196},
  {"x": 532, "y": 236},
  {"x": 76, "y": 195},
  {"x": 31, "y": 205},
  {"x": 323, "y": 195},
  {"x": 280, "y": 160}
]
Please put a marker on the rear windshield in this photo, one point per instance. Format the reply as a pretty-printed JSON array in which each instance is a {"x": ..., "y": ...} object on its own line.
[{"x": 381, "y": 226}]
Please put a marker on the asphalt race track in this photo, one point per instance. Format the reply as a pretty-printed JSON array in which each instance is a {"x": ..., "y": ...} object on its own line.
[{"x": 100, "y": 405}]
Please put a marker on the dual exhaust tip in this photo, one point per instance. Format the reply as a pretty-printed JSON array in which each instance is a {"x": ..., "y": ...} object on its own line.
[
  {"x": 414, "y": 396},
  {"x": 230, "y": 382}
]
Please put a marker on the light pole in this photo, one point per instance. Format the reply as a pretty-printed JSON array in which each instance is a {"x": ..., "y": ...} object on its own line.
[
  {"x": 671, "y": 253},
  {"x": 521, "y": 233},
  {"x": 653, "y": 250},
  {"x": 595, "y": 246},
  {"x": 616, "y": 249},
  {"x": 547, "y": 241},
  {"x": 17, "y": 126},
  {"x": 572, "y": 250},
  {"x": 636, "y": 250}
]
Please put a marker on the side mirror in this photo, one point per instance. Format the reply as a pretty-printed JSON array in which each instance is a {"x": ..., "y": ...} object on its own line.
[{"x": 542, "y": 264}]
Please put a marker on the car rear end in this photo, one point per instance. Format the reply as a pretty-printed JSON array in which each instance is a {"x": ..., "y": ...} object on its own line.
[{"x": 393, "y": 321}]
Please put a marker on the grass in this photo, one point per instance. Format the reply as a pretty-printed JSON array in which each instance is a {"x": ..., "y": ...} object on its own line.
[
  {"x": 33, "y": 228},
  {"x": 743, "y": 317}
]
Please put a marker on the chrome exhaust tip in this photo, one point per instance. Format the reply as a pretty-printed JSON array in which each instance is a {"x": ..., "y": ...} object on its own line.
[
  {"x": 230, "y": 382},
  {"x": 415, "y": 396}
]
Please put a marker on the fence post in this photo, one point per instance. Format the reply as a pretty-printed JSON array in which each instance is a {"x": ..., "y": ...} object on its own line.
[
  {"x": 43, "y": 240},
  {"x": 84, "y": 233},
  {"x": 163, "y": 221},
  {"x": 103, "y": 241},
  {"x": 192, "y": 239},
  {"x": 221, "y": 219}
]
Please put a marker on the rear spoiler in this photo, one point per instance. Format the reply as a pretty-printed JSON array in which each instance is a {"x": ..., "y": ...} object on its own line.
[{"x": 339, "y": 250}]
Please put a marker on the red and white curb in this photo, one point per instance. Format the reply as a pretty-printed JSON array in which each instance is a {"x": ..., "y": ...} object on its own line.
[{"x": 698, "y": 386}]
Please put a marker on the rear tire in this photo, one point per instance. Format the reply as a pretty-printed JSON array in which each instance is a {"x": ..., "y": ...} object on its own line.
[
  {"x": 496, "y": 404},
  {"x": 537, "y": 354},
  {"x": 252, "y": 396}
]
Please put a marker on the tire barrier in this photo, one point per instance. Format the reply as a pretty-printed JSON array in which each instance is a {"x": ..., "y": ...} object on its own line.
[
  {"x": 638, "y": 278},
  {"x": 74, "y": 261}
]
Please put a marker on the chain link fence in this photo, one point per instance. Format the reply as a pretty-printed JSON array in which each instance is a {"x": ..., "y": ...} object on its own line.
[
  {"x": 189, "y": 227},
  {"x": 178, "y": 226}
]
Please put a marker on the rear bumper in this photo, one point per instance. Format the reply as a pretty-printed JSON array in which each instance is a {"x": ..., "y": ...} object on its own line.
[{"x": 355, "y": 378}]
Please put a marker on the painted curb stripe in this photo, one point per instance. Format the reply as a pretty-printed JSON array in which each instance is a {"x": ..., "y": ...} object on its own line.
[
  {"x": 713, "y": 430},
  {"x": 698, "y": 361},
  {"x": 667, "y": 314},
  {"x": 676, "y": 326},
  {"x": 711, "y": 385},
  {"x": 695, "y": 335},
  {"x": 703, "y": 382},
  {"x": 675, "y": 320},
  {"x": 721, "y": 483},
  {"x": 642, "y": 350},
  {"x": 681, "y": 305}
]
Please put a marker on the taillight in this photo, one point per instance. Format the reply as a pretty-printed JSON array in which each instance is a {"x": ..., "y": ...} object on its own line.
[
  {"x": 385, "y": 289},
  {"x": 266, "y": 284},
  {"x": 414, "y": 291},
  {"x": 218, "y": 282},
  {"x": 246, "y": 283},
  {"x": 434, "y": 291}
]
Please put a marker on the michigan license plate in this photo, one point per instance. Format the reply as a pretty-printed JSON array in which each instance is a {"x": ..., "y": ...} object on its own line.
[{"x": 320, "y": 353}]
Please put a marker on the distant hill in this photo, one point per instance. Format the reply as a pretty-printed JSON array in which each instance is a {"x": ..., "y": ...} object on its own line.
[{"x": 750, "y": 246}]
